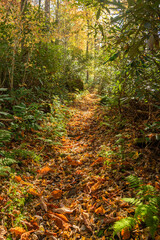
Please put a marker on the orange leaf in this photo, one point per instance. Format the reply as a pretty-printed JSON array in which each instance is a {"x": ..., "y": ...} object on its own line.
[
  {"x": 100, "y": 210},
  {"x": 26, "y": 183},
  {"x": 95, "y": 186},
  {"x": 33, "y": 192},
  {"x": 63, "y": 217},
  {"x": 1, "y": 198},
  {"x": 17, "y": 230},
  {"x": 45, "y": 170},
  {"x": 18, "y": 178},
  {"x": 79, "y": 172},
  {"x": 59, "y": 222},
  {"x": 157, "y": 185},
  {"x": 157, "y": 238},
  {"x": 100, "y": 159},
  {"x": 25, "y": 236},
  {"x": 50, "y": 233},
  {"x": 125, "y": 233},
  {"x": 57, "y": 194}
]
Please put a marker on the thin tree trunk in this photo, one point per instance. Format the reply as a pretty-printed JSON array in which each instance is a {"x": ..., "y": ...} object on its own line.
[
  {"x": 57, "y": 21},
  {"x": 47, "y": 10},
  {"x": 39, "y": 4},
  {"x": 87, "y": 48}
]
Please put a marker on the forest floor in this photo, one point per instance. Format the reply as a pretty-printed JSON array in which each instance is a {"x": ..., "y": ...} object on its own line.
[{"x": 76, "y": 191}]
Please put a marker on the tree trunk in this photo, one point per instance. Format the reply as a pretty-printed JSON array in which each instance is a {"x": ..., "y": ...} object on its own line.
[
  {"x": 23, "y": 6},
  {"x": 47, "y": 10},
  {"x": 87, "y": 48},
  {"x": 57, "y": 21}
]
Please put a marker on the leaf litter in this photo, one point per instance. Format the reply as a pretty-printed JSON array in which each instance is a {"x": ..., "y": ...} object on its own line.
[{"x": 76, "y": 192}]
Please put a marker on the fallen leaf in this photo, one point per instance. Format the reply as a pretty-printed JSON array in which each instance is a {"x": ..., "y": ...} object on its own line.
[
  {"x": 1, "y": 198},
  {"x": 57, "y": 194},
  {"x": 63, "y": 217},
  {"x": 110, "y": 219},
  {"x": 59, "y": 222},
  {"x": 87, "y": 222},
  {"x": 45, "y": 170},
  {"x": 2, "y": 233},
  {"x": 157, "y": 185},
  {"x": 64, "y": 210},
  {"x": 17, "y": 231},
  {"x": 100, "y": 210},
  {"x": 125, "y": 233},
  {"x": 157, "y": 238},
  {"x": 25, "y": 235},
  {"x": 99, "y": 160},
  {"x": 18, "y": 178},
  {"x": 50, "y": 233},
  {"x": 43, "y": 204},
  {"x": 95, "y": 187},
  {"x": 33, "y": 192}
]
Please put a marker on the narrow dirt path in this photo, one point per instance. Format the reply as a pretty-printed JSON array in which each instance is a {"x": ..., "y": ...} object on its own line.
[{"x": 73, "y": 184}]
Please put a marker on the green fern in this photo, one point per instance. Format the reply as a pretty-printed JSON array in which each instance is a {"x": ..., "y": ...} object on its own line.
[
  {"x": 134, "y": 181},
  {"x": 5, "y": 136},
  {"x": 7, "y": 161},
  {"x": 4, "y": 170},
  {"x": 25, "y": 154},
  {"x": 147, "y": 203},
  {"x": 128, "y": 222}
]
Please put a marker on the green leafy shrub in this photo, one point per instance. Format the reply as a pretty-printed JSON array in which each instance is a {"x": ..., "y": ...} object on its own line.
[
  {"x": 147, "y": 207},
  {"x": 27, "y": 117}
]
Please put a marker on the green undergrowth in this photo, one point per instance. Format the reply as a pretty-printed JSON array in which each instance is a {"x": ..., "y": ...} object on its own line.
[
  {"x": 147, "y": 207},
  {"x": 23, "y": 123}
]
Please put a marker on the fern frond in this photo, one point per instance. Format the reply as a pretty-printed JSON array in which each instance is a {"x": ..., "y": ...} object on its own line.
[
  {"x": 7, "y": 161},
  {"x": 132, "y": 200},
  {"x": 5, "y": 136},
  {"x": 128, "y": 222},
  {"x": 134, "y": 181},
  {"x": 4, "y": 170},
  {"x": 152, "y": 222}
]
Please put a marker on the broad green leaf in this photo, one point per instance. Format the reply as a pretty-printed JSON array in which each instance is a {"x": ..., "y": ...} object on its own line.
[
  {"x": 98, "y": 14},
  {"x": 112, "y": 58}
]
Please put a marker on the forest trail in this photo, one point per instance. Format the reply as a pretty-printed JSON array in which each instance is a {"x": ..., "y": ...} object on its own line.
[
  {"x": 72, "y": 186},
  {"x": 76, "y": 190}
]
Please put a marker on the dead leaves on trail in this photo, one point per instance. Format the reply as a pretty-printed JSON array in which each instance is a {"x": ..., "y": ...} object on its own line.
[
  {"x": 56, "y": 194},
  {"x": 2, "y": 232},
  {"x": 76, "y": 193},
  {"x": 43, "y": 171}
]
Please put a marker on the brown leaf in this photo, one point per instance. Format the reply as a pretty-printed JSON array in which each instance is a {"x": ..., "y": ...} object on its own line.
[
  {"x": 63, "y": 217},
  {"x": 33, "y": 192},
  {"x": 99, "y": 160},
  {"x": 25, "y": 235},
  {"x": 100, "y": 210},
  {"x": 45, "y": 170},
  {"x": 64, "y": 210},
  {"x": 110, "y": 219},
  {"x": 17, "y": 231},
  {"x": 57, "y": 194},
  {"x": 50, "y": 233},
  {"x": 95, "y": 187},
  {"x": 2, "y": 233},
  {"x": 125, "y": 233},
  {"x": 18, "y": 178},
  {"x": 59, "y": 222},
  {"x": 86, "y": 221},
  {"x": 43, "y": 204}
]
